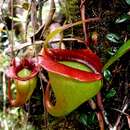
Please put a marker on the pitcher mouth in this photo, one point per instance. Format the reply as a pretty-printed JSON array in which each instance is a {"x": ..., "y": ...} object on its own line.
[
  {"x": 17, "y": 65},
  {"x": 50, "y": 61}
]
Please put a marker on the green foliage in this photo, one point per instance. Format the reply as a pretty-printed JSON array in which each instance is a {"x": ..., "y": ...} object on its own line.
[
  {"x": 71, "y": 10},
  {"x": 59, "y": 30},
  {"x": 122, "y": 50},
  {"x": 122, "y": 18},
  {"x": 4, "y": 61},
  {"x": 111, "y": 93},
  {"x": 112, "y": 50},
  {"x": 88, "y": 120},
  {"x": 107, "y": 75},
  {"x": 128, "y": 2},
  {"x": 15, "y": 119},
  {"x": 113, "y": 37}
]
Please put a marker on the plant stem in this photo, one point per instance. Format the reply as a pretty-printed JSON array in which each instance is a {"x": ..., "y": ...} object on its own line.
[
  {"x": 99, "y": 114},
  {"x": 85, "y": 27},
  {"x": 4, "y": 93}
]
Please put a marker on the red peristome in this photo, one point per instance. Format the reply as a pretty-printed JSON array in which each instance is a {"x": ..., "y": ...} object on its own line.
[
  {"x": 49, "y": 60},
  {"x": 18, "y": 65}
]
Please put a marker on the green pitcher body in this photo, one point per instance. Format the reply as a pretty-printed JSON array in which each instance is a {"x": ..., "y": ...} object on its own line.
[
  {"x": 24, "y": 90},
  {"x": 71, "y": 93},
  {"x": 75, "y": 77},
  {"x": 23, "y": 74}
]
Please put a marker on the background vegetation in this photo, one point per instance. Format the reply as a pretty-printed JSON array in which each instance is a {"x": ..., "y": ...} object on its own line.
[{"x": 24, "y": 26}]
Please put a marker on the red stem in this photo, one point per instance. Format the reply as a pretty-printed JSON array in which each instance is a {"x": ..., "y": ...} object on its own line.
[
  {"x": 100, "y": 120},
  {"x": 98, "y": 114},
  {"x": 85, "y": 27}
]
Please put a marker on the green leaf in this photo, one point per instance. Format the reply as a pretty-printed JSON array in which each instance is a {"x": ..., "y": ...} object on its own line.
[
  {"x": 122, "y": 18},
  {"x": 4, "y": 61},
  {"x": 64, "y": 27},
  {"x": 16, "y": 19},
  {"x": 120, "y": 52},
  {"x": 113, "y": 37},
  {"x": 88, "y": 119},
  {"x": 83, "y": 119},
  {"x": 52, "y": 35},
  {"x": 128, "y": 2},
  {"x": 107, "y": 75},
  {"x": 112, "y": 51},
  {"x": 111, "y": 93}
]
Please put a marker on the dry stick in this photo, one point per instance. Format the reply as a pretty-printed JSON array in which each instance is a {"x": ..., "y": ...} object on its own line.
[
  {"x": 40, "y": 42},
  {"x": 43, "y": 78},
  {"x": 12, "y": 35},
  {"x": 50, "y": 17},
  {"x": 4, "y": 93},
  {"x": 128, "y": 119},
  {"x": 120, "y": 111},
  {"x": 101, "y": 107},
  {"x": 33, "y": 20},
  {"x": 99, "y": 114},
  {"x": 47, "y": 23},
  {"x": 45, "y": 111},
  {"x": 86, "y": 33},
  {"x": 27, "y": 21},
  {"x": 119, "y": 117}
]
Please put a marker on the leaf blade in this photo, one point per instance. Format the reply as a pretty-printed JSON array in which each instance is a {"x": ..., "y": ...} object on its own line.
[{"x": 122, "y": 50}]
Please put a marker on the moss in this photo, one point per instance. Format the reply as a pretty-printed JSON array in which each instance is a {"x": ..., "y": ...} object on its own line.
[{"x": 71, "y": 10}]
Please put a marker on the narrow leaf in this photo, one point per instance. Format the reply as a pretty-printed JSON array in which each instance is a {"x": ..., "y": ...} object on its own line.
[
  {"x": 113, "y": 37},
  {"x": 107, "y": 75},
  {"x": 83, "y": 119},
  {"x": 66, "y": 26},
  {"x": 128, "y": 2},
  {"x": 16, "y": 19},
  {"x": 111, "y": 93},
  {"x": 122, "y": 50},
  {"x": 122, "y": 18}
]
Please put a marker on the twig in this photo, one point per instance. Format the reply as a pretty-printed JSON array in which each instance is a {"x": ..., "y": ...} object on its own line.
[
  {"x": 33, "y": 20},
  {"x": 119, "y": 117},
  {"x": 82, "y": 3},
  {"x": 85, "y": 27},
  {"x": 101, "y": 107},
  {"x": 12, "y": 33},
  {"x": 4, "y": 103},
  {"x": 99, "y": 114},
  {"x": 120, "y": 111},
  {"x": 45, "y": 111},
  {"x": 4, "y": 93},
  {"x": 50, "y": 17},
  {"x": 128, "y": 119},
  {"x": 40, "y": 42}
]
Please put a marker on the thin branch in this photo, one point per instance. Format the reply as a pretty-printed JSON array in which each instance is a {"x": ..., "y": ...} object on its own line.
[
  {"x": 119, "y": 117},
  {"x": 43, "y": 91},
  {"x": 12, "y": 33},
  {"x": 4, "y": 93},
  {"x": 50, "y": 17},
  {"x": 26, "y": 44},
  {"x": 120, "y": 111},
  {"x": 101, "y": 107},
  {"x": 128, "y": 119},
  {"x": 99, "y": 114},
  {"x": 85, "y": 27}
]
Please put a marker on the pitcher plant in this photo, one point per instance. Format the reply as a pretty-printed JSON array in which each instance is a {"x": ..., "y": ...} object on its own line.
[
  {"x": 22, "y": 73},
  {"x": 75, "y": 77}
]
